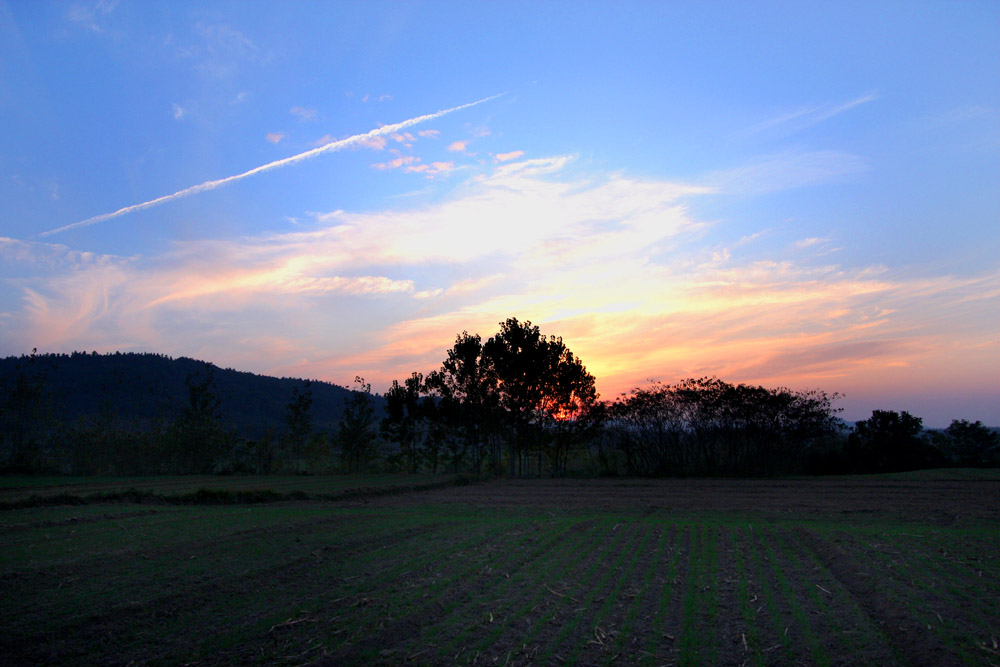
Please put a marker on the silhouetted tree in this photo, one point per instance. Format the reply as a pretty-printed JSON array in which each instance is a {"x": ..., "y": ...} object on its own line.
[
  {"x": 890, "y": 441},
  {"x": 265, "y": 452},
  {"x": 709, "y": 427},
  {"x": 538, "y": 380},
  {"x": 973, "y": 444},
  {"x": 24, "y": 405},
  {"x": 467, "y": 397},
  {"x": 355, "y": 434},
  {"x": 298, "y": 419},
  {"x": 404, "y": 422},
  {"x": 198, "y": 437}
]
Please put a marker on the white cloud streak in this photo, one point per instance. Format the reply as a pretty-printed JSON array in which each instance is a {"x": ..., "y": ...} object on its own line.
[
  {"x": 802, "y": 118},
  {"x": 326, "y": 148}
]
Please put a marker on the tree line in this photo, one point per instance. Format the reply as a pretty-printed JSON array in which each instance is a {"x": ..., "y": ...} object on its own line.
[{"x": 519, "y": 403}]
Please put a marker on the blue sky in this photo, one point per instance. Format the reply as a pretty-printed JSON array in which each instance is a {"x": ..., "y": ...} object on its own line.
[{"x": 800, "y": 194}]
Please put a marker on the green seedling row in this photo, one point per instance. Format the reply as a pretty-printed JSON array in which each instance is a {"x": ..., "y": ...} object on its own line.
[{"x": 419, "y": 580}]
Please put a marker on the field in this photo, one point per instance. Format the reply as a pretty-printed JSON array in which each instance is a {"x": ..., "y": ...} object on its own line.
[
  {"x": 887, "y": 570},
  {"x": 26, "y": 490}
]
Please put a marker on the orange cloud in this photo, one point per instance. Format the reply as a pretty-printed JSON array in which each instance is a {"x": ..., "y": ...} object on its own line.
[{"x": 613, "y": 264}]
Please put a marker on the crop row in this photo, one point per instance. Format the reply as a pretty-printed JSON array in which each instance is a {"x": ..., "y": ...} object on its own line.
[{"x": 430, "y": 584}]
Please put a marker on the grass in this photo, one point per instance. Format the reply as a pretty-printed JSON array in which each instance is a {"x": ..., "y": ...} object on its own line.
[
  {"x": 931, "y": 474},
  {"x": 751, "y": 634},
  {"x": 17, "y": 492},
  {"x": 15, "y": 488},
  {"x": 405, "y": 579},
  {"x": 659, "y": 619}
]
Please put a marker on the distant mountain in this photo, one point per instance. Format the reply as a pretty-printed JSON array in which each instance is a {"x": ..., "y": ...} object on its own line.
[{"x": 139, "y": 387}]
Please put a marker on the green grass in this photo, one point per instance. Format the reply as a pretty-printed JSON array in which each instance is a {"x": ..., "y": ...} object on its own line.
[
  {"x": 410, "y": 580},
  {"x": 751, "y": 634},
  {"x": 20, "y": 487}
]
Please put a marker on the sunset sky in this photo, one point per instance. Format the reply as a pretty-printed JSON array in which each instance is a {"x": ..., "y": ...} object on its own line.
[{"x": 798, "y": 194}]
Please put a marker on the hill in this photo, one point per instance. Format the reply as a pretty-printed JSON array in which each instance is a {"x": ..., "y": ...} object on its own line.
[{"x": 136, "y": 388}]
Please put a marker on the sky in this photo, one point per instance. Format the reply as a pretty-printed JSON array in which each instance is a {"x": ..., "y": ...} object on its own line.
[{"x": 800, "y": 194}]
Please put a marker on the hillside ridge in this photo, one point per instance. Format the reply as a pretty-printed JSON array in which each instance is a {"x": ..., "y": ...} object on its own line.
[{"x": 136, "y": 388}]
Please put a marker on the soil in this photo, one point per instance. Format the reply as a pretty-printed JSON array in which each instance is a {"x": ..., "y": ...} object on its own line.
[
  {"x": 565, "y": 584},
  {"x": 938, "y": 502}
]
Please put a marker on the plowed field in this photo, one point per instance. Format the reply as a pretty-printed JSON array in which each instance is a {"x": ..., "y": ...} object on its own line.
[{"x": 588, "y": 572}]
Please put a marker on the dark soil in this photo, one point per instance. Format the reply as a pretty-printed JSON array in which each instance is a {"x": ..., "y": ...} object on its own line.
[
  {"x": 519, "y": 572},
  {"x": 936, "y": 502}
]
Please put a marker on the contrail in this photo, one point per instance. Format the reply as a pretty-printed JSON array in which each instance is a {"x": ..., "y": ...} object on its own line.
[{"x": 211, "y": 185}]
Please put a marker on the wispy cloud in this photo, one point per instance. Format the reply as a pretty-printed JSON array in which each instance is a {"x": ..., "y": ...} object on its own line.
[
  {"x": 368, "y": 97},
  {"x": 504, "y": 157},
  {"x": 340, "y": 144},
  {"x": 179, "y": 111},
  {"x": 275, "y": 137},
  {"x": 303, "y": 113},
  {"x": 803, "y": 117},
  {"x": 405, "y": 138},
  {"x": 374, "y": 143},
  {"x": 787, "y": 170},
  {"x": 612, "y": 263},
  {"x": 395, "y": 163},
  {"x": 89, "y": 16},
  {"x": 432, "y": 169},
  {"x": 220, "y": 50}
]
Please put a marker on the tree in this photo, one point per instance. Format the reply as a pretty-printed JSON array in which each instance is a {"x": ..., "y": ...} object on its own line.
[
  {"x": 538, "y": 381},
  {"x": 890, "y": 441},
  {"x": 355, "y": 433},
  {"x": 199, "y": 437},
  {"x": 709, "y": 427},
  {"x": 467, "y": 396},
  {"x": 404, "y": 418},
  {"x": 24, "y": 408},
  {"x": 973, "y": 444},
  {"x": 298, "y": 419}
]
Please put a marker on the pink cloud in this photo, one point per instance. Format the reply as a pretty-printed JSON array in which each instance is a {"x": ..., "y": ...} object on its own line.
[
  {"x": 429, "y": 134},
  {"x": 457, "y": 146},
  {"x": 503, "y": 157},
  {"x": 404, "y": 138},
  {"x": 375, "y": 143},
  {"x": 275, "y": 137},
  {"x": 432, "y": 169},
  {"x": 322, "y": 141},
  {"x": 396, "y": 163},
  {"x": 574, "y": 259}
]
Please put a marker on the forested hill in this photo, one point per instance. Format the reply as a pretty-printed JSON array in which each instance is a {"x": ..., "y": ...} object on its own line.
[{"x": 137, "y": 388}]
